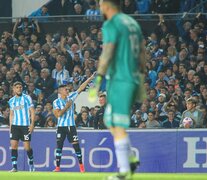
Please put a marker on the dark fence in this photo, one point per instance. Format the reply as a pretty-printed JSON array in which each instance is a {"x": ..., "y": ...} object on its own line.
[{"x": 60, "y": 23}]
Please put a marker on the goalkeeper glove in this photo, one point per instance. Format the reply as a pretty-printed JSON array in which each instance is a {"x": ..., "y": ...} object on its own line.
[{"x": 93, "y": 91}]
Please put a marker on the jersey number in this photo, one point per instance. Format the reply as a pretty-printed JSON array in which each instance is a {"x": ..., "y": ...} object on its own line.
[
  {"x": 26, "y": 137},
  {"x": 134, "y": 44},
  {"x": 75, "y": 138}
]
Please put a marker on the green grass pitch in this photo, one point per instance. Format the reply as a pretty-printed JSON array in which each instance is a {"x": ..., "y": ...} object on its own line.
[{"x": 94, "y": 176}]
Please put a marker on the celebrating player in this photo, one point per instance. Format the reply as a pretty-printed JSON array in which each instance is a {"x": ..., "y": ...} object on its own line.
[
  {"x": 21, "y": 111},
  {"x": 122, "y": 58},
  {"x": 64, "y": 111}
]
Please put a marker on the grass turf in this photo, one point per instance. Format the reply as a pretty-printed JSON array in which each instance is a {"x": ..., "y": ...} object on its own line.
[{"x": 92, "y": 176}]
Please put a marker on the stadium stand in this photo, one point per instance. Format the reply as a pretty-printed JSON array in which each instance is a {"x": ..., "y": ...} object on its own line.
[{"x": 175, "y": 52}]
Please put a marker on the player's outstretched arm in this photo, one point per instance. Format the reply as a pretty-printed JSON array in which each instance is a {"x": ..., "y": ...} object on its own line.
[{"x": 83, "y": 85}]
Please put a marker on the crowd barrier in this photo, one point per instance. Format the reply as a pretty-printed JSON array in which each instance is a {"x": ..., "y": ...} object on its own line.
[{"x": 165, "y": 151}]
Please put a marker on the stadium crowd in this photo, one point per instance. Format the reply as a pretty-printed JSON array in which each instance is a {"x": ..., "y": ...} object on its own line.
[
  {"x": 91, "y": 7},
  {"x": 176, "y": 70}
]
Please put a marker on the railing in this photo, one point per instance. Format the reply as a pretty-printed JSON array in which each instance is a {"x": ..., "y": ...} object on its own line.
[
  {"x": 140, "y": 17},
  {"x": 147, "y": 21},
  {"x": 198, "y": 8}
]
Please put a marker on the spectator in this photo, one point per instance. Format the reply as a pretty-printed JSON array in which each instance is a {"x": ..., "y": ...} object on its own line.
[
  {"x": 204, "y": 112},
  {"x": 84, "y": 121},
  {"x": 171, "y": 52},
  {"x": 60, "y": 74},
  {"x": 86, "y": 75},
  {"x": 3, "y": 98},
  {"x": 24, "y": 27},
  {"x": 204, "y": 96},
  {"x": 93, "y": 13},
  {"x": 128, "y": 6},
  {"x": 41, "y": 13},
  {"x": 45, "y": 83},
  {"x": 152, "y": 94},
  {"x": 151, "y": 122},
  {"x": 4, "y": 118},
  {"x": 47, "y": 111},
  {"x": 78, "y": 9},
  {"x": 136, "y": 119},
  {"x": 193, "y": 113},
  {"x": 196, "y": 83},
  {"x": 171, "y": 121},
  {"x": 162, "y": 30},
  {"x": 143, "y": 6},
  {"x": 60, "y": 7},
  {"x": 50, "y": 122},
  {"x": 160, "y": 106},
  {"x": 76, "y": 60},
  {"x": 92, "y": 113},
  {"x": 33, "y": 90},
  {"x": 98, "y": 121},
  {"x": 152, "y": 75},
  {"x": 39, "y": 120},
  {"x": 144, "y": 110},
  {"x": 161, "y": 7}
]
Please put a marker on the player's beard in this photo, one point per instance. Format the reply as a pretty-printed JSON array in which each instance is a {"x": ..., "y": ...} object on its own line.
[{"x": 104, "y": 17}]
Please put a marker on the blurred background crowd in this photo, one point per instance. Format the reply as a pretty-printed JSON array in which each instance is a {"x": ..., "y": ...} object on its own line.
[{"x": 176, "y": 63}]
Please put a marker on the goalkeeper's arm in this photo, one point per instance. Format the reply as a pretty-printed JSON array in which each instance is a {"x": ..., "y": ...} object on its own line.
[{"x": 104, "y": 61}]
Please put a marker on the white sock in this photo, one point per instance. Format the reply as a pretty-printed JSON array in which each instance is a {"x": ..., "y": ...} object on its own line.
[
  {"x": 131, "y": 152},
  {"x": 123, "y": 149}
]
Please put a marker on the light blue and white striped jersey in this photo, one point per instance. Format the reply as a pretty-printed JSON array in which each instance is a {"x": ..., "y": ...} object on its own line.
[
  {"x": 93, "y": 14},
  {"x": 67, "y": 119},
  {"x": 20, "y": 106},
  {"x": 61, "y": 77}
]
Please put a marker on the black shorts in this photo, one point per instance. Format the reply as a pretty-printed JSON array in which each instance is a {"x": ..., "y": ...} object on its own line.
[
  {"x": 69, "y": 131},
  {"x": 20, "y": 133}
]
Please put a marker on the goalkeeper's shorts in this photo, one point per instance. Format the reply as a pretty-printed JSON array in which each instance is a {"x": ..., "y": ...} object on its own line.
[{"x": 120, "y": 98}]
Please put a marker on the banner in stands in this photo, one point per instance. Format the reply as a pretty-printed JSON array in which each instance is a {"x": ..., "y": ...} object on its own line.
[{"x": 166, "y": 151}]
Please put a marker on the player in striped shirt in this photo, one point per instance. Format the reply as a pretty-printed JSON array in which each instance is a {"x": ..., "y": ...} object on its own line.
[
  {"x": 21, "y": 124},
  {"x": 63, "y": 108}
]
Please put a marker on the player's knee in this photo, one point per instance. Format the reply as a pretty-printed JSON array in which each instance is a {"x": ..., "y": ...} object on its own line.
[
  {"x": 14, "y": 144},
  {"x": 27, "y": 146},
  {"x": 119, "y": 132},
  {"x": 14, "y": 147}
]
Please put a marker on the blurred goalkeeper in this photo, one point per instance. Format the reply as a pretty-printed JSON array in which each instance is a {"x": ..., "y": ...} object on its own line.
[
  {"x": 123, "y": 60},
  {"x": 63, "y": 108}
]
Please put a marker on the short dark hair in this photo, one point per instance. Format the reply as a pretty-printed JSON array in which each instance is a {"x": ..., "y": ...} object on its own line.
[
  {"x": 17, "y": 83},
  {"x": 171, "y": 111},
  {"x": 114, "y": 2},
  {"x": 102, "y": 95},
  {"x": 192, "y": 100},
  {"x": 152, "y": 112},
  {"x": 61, "y": 86}
]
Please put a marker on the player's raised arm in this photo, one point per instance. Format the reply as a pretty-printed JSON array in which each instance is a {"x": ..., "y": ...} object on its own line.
[{"x": 83, "y": 85}]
